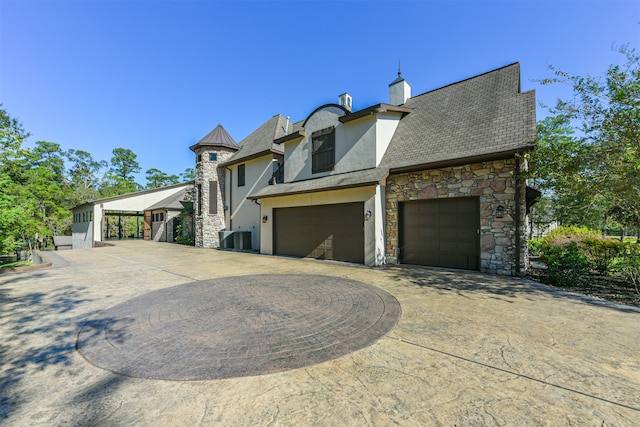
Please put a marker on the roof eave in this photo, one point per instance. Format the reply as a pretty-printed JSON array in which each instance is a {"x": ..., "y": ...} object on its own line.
[
  {"x": 135, "y": 193},
  {"x": 462, "y": 160},
  {"x": 194, "y": 146},
  {"x": 252, "y": 157},
  {"x": 316, "y": 190},
  {"x": 292, "y": 136},
  {"x": 375, "y": 109}
]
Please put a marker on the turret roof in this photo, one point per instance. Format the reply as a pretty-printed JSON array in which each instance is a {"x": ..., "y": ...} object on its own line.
[{"x": 218, "y": 137}]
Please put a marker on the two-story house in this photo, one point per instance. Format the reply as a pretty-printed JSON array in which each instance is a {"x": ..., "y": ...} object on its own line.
[{"x": 431, "y": 179}]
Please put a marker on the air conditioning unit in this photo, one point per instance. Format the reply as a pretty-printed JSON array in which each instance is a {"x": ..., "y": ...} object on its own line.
[
  {"x": 242, "y": 240},
  {"x": 226, "y": 239},
  {"x": 239, "y": 240}
]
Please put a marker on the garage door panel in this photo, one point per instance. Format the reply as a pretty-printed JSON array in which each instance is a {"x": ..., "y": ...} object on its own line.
[
  {"x": 324, "y": 232},
  {"x": 440, "y": 232}
]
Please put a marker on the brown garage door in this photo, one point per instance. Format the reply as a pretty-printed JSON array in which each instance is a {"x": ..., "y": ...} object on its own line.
[
  {"x": 324, "y": 232},
  {"x": 440, "y": 233}
]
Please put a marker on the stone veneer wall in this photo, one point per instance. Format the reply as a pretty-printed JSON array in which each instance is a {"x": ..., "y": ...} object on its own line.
[
  {"x": 208, "y": 225},
  {"x": 493, "y": 182}
]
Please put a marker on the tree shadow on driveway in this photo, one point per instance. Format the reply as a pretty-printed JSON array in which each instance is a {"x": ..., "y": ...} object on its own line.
[
  {"x": 39, "y": 330},
  {"x": 501, "y": 287}
]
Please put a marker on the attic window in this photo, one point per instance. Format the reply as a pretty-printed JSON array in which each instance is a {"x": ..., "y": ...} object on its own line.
[{"x": 323, "y": 154}]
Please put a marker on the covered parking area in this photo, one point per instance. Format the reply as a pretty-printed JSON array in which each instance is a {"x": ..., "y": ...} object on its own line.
[{"x": 147, "y": 215}]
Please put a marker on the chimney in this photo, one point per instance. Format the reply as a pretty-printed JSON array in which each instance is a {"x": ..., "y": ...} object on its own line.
[
  {"x": 346, "y": 101},
  {"x": 399, "y": 90}
]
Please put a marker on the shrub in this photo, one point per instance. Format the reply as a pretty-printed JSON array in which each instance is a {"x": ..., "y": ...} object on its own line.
[
  {"x": 188, "y": 239},
  {"x": 602, "y": 253},
  {"x": 535, "y": 247},
  {"x": 629, "y": 265},
  {"x": 563, "y": 235},
  {"x": 566, "y": 264}
]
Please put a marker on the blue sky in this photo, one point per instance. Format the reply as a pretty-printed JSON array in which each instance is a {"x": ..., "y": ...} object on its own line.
[{"x": 156, "y": 76}]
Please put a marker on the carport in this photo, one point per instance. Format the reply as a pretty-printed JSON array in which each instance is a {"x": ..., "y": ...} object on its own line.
[{"x": 128, "y": 216}]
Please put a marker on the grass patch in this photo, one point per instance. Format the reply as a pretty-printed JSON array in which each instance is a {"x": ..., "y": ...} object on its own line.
[{"x": 17, "y": 264}]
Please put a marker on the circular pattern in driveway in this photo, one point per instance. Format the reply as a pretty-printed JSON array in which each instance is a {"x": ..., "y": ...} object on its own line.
[{"x": 238, "y": 326}]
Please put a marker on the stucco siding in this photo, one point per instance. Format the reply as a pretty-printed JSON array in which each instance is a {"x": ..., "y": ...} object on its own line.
[
  {"x": 385, "y": 127},
  {"x": 244, "y": 214},
  {"x": 373, "y": 225}
]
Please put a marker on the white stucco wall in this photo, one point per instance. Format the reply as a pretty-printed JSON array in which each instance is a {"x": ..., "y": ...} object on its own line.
[
  {"x": 373, "y": 227},
  {"x": 355, "y": 145},
  {"x": 386, "y": 126},
  {"x": 244, "y": 214},
  {"x": 360, "y": 144},
  {"x": 82, "y": 228}
]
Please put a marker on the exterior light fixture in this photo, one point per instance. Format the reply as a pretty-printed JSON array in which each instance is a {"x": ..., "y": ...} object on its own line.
[
  {"x": 500, "y": 212},
  {"x": 367, "y": 216},
  {"x": 265, "y": 218}
]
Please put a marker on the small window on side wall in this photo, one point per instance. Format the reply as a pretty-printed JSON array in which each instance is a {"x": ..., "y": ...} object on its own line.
[
  {"x": 213, "y": 157},
  {"x": 323, "y": 149},
  {"x": 240, "y": 175}
]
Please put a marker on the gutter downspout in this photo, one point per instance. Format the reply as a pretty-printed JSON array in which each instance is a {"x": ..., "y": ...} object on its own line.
[
  {"x": 230, "y": 197},
  {"x": 166, "y": 220},
  {"x": 518, "y": 212}
]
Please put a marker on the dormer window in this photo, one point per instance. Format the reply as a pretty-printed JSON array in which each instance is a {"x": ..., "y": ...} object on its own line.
[{"x": 323, "y": 152}]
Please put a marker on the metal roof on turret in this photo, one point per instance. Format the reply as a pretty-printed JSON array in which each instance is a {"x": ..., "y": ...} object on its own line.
[{"x": 218, "y": 137}]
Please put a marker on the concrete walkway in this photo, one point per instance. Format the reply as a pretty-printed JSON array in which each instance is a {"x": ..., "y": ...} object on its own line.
[{"x": 469, "y": 349}]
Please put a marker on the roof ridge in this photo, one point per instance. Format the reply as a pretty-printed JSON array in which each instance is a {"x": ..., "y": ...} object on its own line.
[{"x": 471, "y": 78}]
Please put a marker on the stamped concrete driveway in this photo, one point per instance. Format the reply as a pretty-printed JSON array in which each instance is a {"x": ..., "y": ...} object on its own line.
[{"x": 468, "y": 349}]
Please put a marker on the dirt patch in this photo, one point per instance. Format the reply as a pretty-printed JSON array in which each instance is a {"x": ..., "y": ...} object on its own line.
[{"x": 612, "y": 289}]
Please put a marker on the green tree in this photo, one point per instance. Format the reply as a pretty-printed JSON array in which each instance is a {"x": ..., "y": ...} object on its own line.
[
  {"x": 83, "y": 174},
  {"x": 189, "y": 174},
  {"x": 13, "y": 217},
  {"x": 50, "y": 192},
  {"x": 596, "y": 170},
  {"x": 120, "y": 178},
  {"x": 50, "y": 156},
  {"x": 12, "y": 155},
  {"x": 157, "y": 178},
  {"x": 16, "y": 202}
]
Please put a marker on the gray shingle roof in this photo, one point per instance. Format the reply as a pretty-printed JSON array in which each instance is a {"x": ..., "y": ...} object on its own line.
[
  {"x": 261, "y": 140},
  {"x": 218, "y": 137},
  {"x": 478, "y": 117},
  {"x": 171, "y": 202},
  {"x": 359, "y": 178}
]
